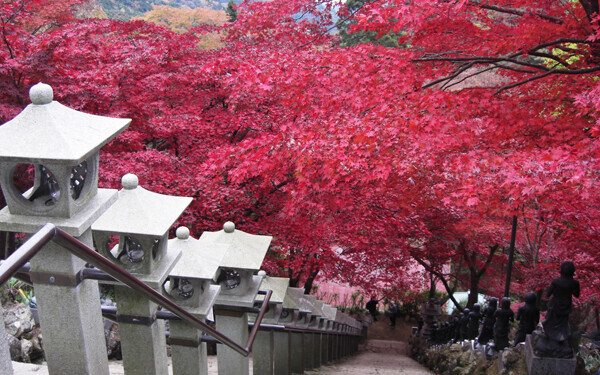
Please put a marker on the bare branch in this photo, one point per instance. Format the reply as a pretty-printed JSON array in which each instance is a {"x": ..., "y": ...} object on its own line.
[
  {"x": 468, "y": 76},
  {"x": 518, "y": 12},
  {"x": 503, "y": 88},
  {"x": 455, "y": 74},
  {"x": 442, "y": 279},
  {"x": 550, "y": 57}
]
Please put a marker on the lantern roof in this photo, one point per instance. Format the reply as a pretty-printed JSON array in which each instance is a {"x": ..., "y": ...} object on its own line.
[
  {"x": 315, "y": 306},
  {"x": 142, "y": 212},
  {"x": 339, "y": 316},
  {"x": 246, "y": 251},
  {"x": 330, "y": 312},
  {"x": 289, "y": 302},
  {"x": 318, "y": 309},
  {"x": 297, "y": 295},
  {"x": 198, "y": 261},
  {"x": 49, "y": 132},
  {"x": 278, "y": 285}
]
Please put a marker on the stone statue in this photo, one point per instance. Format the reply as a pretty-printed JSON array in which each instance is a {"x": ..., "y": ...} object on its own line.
[
  {"x": 434, "y": 333},
  {"x": 504, "y": 316},
  {"x": 457, "y": 326},
  {"x": 445, "y": 330},
  {"x": 464, "y": 325},
  {"x": 487, "y": 328},
  {"x": 452, "y": 329},
  {"x": 528, "y": 317},
  {"x": 474, "y": 318},
  {"x": 553, "y": 341}
]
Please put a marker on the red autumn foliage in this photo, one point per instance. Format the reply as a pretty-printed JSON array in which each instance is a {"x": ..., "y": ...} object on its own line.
[{"x": 358, "y": 160}]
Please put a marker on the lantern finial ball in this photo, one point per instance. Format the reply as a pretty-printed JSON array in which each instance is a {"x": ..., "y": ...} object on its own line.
[
  {"x": 262, "y": 273},
  {"x": 182, "y": 233},
  {"x": 229, "y": 227},
  {"x": 129, "y": 181},
  {"x": 41, "y": 94}
]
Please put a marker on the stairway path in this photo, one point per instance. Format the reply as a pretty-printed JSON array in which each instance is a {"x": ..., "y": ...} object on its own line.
[{"x": 379, "y": 357}]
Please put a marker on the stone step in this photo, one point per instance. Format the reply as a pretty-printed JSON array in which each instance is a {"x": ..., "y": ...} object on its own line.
[{"x": 381, "y": 357}]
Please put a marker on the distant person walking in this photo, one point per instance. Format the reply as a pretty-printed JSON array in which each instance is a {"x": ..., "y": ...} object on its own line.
[
  {"x": 372, "y": 306},
  {"x": 393, "y": 312}
]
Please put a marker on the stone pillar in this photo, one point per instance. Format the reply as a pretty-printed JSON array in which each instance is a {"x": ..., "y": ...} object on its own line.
[
  {"x": 233, "y": 324},
  {"x": 143, "y": 341},
  {"x": 5, "y": 363},
  {"x": 331, "y": 357},
  {"x": 325, "y": 348},
  {"x": 262, "y": 352},
  {"x": 296, "y": 353},
  {"x": 188, "y": 354},
  {"x": 308, "y": 350},
  {"x": 281, "y": 354},
  {"x": 70, "y": 317},
  {"x": 317, "y": 341}
]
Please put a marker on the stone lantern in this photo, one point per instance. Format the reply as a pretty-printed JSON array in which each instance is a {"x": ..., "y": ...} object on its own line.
[
  {"x": 299, "y": 338},
  {"x": 318, "y": 322},
  {"x": 239, "y": 288},
  {"x": 330, "y": 335},
  {"x": 310, "y": 337},
  {"x": 133, "y": 234},
  {"x": 279, "y": 286},
  {"x": 304, "y": 307},
  {"x": 282, "y": 349},
  {"x": 58, "y": 148},
  {"x": 190, "y": 285},
  {"x": 270, "y": 346}
]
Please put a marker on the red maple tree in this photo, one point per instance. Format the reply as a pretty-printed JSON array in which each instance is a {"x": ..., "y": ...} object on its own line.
[{"x": 358, "y": 160}]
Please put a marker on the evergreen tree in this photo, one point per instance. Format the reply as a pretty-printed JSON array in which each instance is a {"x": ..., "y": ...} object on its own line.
[
  {"x": 231, "y": 12},
  {"x": 348, "y": 39}
]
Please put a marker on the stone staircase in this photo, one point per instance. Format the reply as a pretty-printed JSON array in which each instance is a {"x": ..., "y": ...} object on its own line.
[{"x": 382, "y": 357}]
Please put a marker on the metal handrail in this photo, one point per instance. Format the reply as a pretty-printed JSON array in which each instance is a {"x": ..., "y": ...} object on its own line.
[{"x": 50, "y": 232}]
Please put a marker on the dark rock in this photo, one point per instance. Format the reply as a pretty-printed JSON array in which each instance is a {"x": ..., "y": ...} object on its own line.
[
  {"x": 14, "y": 346},
  {"x": 113, "y": 340},
  {"x": 26, "y": 349}
]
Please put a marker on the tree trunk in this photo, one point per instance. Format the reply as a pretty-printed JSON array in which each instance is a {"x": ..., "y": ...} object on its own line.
[
  {"x": 474, "y": 290},
  {"x": 7, "y": 244},
  {"x": 432, "y": 280},
  {"x": 309, "y": 281}
]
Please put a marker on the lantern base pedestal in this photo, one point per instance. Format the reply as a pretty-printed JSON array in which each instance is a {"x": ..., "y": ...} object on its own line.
[
  {"x": 75, "y": 225},
  {"x": 233, "y": 324},
  {"x": 187, "y": 356},
  {"x": 69, "y": 314}
]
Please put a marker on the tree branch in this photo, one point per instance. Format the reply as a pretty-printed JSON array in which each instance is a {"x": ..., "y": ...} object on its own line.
[
  {"x": 488, "y": 261},
  {"x": 518, "y": 12},
  {"x": 430, "y": 269}
]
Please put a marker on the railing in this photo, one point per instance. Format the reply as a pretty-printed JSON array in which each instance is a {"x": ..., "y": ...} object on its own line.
[{"x": 50, "y": 232}]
